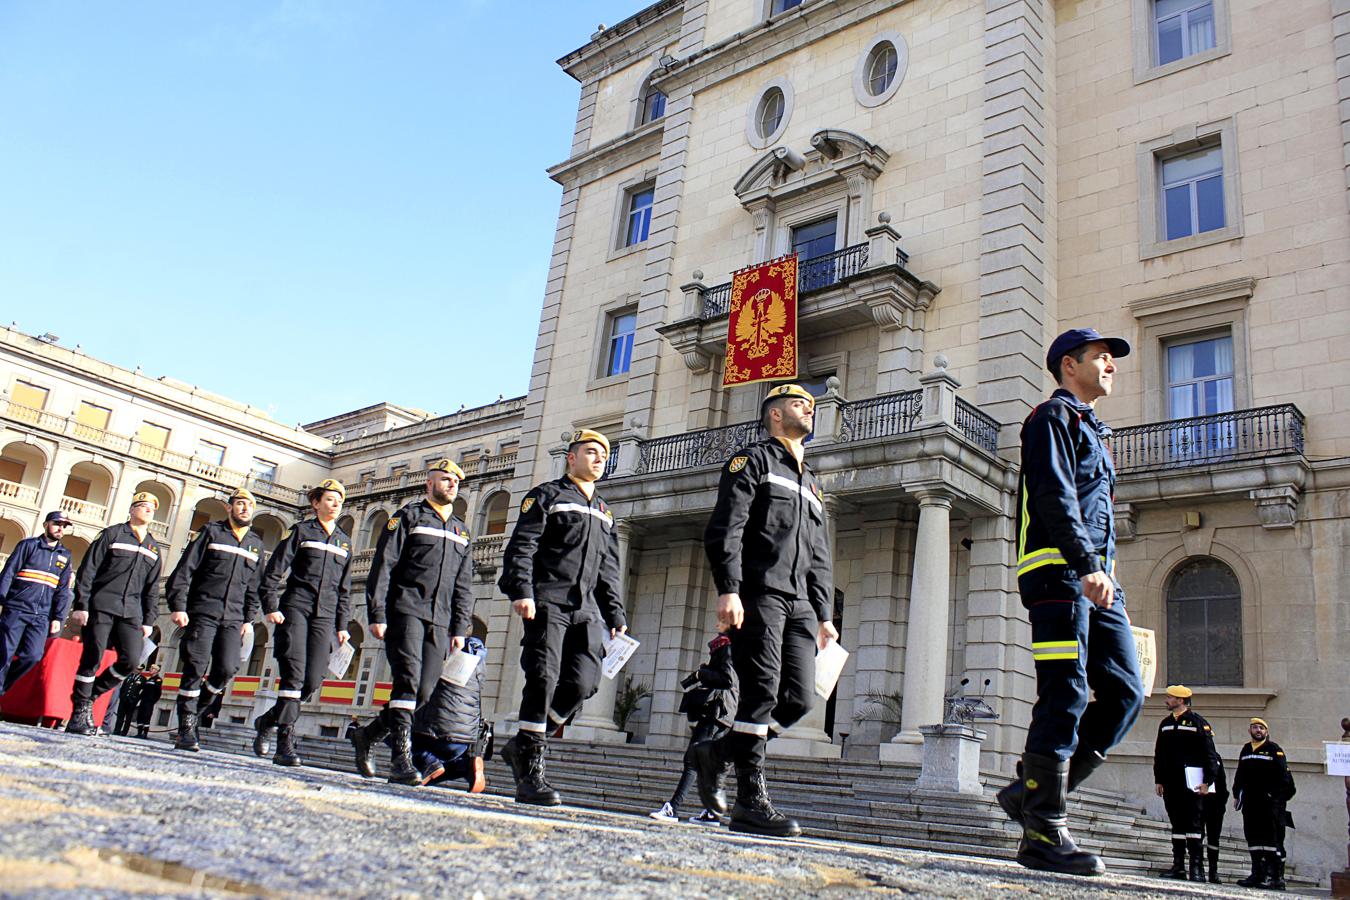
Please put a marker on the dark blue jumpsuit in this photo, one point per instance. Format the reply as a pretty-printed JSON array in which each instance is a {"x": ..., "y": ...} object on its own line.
[{"x": 35, "y": 590}]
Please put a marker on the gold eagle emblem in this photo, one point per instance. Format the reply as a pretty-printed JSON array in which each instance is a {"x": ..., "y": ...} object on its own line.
[{"x": 763, "y": 317}]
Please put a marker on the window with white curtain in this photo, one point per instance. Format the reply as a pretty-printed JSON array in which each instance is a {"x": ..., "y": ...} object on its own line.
[
  {"x": 1200, "y": 378},
  {"x": 1183, "y": 28}
]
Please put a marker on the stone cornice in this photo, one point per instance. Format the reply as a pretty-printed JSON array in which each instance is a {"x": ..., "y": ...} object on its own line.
[
  {"x": 614, "y": 155},
  {"x": 618, "y": 45}
]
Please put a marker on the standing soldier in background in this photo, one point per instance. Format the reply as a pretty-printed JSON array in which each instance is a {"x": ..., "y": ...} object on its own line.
[
  {"x": 213, "y": 595},
  {"x": 116, "y": 602},
  {"x": 35, "y": 591},
  {"x": 1088, "y": 689},
  {"x": 420, "y": 590},
  {"x": 152, "y": 688},
  {"x": 1262, "y": 786},
  {"x": 1185, "y": 741},
  {"x": 1213, "y": 805},
  {"x": 561, "y": 573},
  {"x": 306, "y": 593},
  {"x": 768, "y": 544}
]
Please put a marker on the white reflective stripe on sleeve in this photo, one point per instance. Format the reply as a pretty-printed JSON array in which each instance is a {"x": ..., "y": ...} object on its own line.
[
  {"x": 85, "y": 678},
  {"x": 1185, "y": 728},
  {"x": 555, "y": 718},
  {"x": 578, "y": 508},
  {"x": 196, "y": 693},
  {"x": 794, "y": 487},
  {"x": 237, "y": 551},
  {"x": 289, "y": 695},
  {"x": 441, "y": 533},
  {"x": 750, "y": 728},
  {"x": 133, "y": 548},
  {"x": 403, "y": 704},
  {"x": 1255, "y": 756},
  {"x": 326, "y": 548},
  {"x": 536, "y": 727}
]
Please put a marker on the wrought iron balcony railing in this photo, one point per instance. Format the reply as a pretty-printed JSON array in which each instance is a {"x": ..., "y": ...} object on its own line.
[
  {"x": 814, "y": 274},
  {"x": 693, "y": 449},
  {"x": 881, "y": 416},
  {"x": 977, "y": 425},
  {"x": 1181, "y": 443}
]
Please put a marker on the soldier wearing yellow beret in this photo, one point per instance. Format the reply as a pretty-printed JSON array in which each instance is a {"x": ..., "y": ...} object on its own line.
[
  {"x": 1185, "y": 741},
  {"x": 1262, "y": 789}
]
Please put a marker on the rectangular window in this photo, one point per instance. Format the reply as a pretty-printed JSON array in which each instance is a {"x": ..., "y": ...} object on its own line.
[
  {"x": 211, "y": 454},
  {"x": 1183, "y": 28},
  {"x": 619, "y": 355},
  {"x": 811, "y": 242},
  {"x": 93, "y": 416},
  {"x": 1192, "y": 193},
  {"x": 263, "y": 469},
  {"x": 639, "y": 217},
  {"x": 154, "y": 438},
  {"x": 783, "y": 6},
  {"x": 29, "y": 395},
  {"x": 1200, "y": 378}
]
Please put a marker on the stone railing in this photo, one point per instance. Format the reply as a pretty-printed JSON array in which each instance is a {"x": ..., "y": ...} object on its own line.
[
  {"x": 84, "y": 511},
  {"x": 159, "y": 529},
  {"x": 18, "y": 493},
  {"x": 361, "y": 562},
  {"x": 487, "y": 549},
  {"x": 1202, "y": 440}
]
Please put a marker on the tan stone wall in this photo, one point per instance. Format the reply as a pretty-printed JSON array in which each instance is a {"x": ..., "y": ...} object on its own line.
[{"x": 615, "y": 109}]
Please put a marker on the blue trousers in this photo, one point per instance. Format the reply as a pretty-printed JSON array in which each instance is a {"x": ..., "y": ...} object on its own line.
[
  {"x": 23, "y": 639},
  {"x": 1082, "y": 651},
  {"x": 427, "y": 751}
]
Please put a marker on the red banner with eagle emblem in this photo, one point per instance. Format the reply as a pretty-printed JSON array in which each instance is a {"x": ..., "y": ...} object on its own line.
[{"x": 762, "y": 323}]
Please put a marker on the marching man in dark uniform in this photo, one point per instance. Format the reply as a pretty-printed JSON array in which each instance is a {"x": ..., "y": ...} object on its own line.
[
  {"x": 213, "y": 594},
  {"x": 116, "y": 602},
  {"x": 306, "y": 593},
  {"x": 1262, "y": 787},
  {"x": 418, "y": 599},
  {"x": 36, "y": 587},
  {"x": 1080, "y": 633},
  {"x": 768, "y": 545},
  {"x": 561, "y": 573},
  {"x": 1185, "y": 741}
]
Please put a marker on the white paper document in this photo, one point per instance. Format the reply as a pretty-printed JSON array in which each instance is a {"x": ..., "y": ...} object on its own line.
[
  {"x": 146, "y": 649},
  {"x": 829, "y": 666},
  {"x": 617, "y": 652},
  {"x": 1338, "y": 757},
  {"x": 246, "y": 646},
  {"x": 341, "y": 659},
  {"x": 1146, "y": 651},
  {"x": 1195, "y": 776},
  {"x": 459, "y": 667}
]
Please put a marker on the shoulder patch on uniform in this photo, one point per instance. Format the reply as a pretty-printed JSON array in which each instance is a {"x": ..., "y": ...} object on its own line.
[
  {"x": 1279, "y": 753},
  {"x": 527, "y": 505},
  {"x": 393, "y": 524},
  {"x": 737, "y": 463}
]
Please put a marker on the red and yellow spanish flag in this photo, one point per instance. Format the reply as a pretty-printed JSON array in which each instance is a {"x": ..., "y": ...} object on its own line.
[
  {"x": 245, "y": 686},
  {"x": 382, "y": 689},
  {"x": 762, "y": 323},
  {"x": 343, "y": 692},
  {"x": 172, "y": 680}
]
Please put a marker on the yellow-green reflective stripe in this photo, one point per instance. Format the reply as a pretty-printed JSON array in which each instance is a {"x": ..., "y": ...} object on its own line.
[
  {"x": 1036, "y": 554},
  {"x": 1050, "y": 656},
  {"x": 1050, "y": 561},
  {"x": 1022, "y": 538},
  {"x": 1047, "y": 650},
  {"x": 1046, "y": 645}
]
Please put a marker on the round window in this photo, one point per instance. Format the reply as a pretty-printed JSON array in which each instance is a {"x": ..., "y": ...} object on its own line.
[
  {"x": 880, "y": 69},
  {"x": 770, "y": 113},
  {"x": 882, "y": 63}
]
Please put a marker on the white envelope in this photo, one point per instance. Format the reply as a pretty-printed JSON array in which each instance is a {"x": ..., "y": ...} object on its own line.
[
  {"x": 1195, "y": 776},
  {"x": 246, "y": 646},
  {"x": 459, "y": 667},
  {"x": 617, "y": 652},
  {"x": 341, "y": 659},
  {"x": 146, "y": 649},
  {"x": 829, "y": 666}
]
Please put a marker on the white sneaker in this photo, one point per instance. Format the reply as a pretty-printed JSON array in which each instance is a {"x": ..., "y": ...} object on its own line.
[
  {"x": 664, "y": 814},
  {"x": 707, "y": 817}
]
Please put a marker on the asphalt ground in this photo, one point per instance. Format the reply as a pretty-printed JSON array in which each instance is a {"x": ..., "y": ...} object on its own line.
[{"x": 120, "y": 817}]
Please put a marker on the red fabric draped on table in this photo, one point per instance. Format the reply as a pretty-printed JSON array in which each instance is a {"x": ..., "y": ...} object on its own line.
[{"x": 42, "y": 695}]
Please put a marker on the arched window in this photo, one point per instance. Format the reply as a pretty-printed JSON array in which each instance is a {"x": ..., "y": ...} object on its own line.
[
  {"x": 494, "y": 514},
  {"x": 652, "y": 105},
  {"x": 1204, "y": 624}
]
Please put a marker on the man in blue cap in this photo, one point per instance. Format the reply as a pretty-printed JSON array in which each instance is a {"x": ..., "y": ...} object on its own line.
[
  {"x": 35, "y": 591},
  {"x": 1080, "y": 634}
]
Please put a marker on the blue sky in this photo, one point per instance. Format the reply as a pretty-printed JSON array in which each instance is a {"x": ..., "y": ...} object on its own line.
[{"x": 306, "y": 206}]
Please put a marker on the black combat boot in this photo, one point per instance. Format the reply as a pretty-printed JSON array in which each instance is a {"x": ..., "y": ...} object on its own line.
[
  {"x": 1083, "y": 764},
  {"x": 363, "y": 741},
  {"x": 712, "y": 765},
  {"x": 1275, "y": 867},
  {"x": 1257, "y": 878},
  {"x": 1214, "y": 865},
  {"x": 1046, "y": 843},
  {"x": 1197, "y": 854},
  {"x": 401, "y": 768},
  {"x": 286, "y": 755},
  {"x": 753, "y": 813},
  {"x": 525, "y": 756},
  {"x": 1178, "y": 869},
  {"x": 186, "y": 739},
  {"x": 208, "y": 707},
  {"x": 264, "y": 727},
  {"x": 81, "y": 718}
]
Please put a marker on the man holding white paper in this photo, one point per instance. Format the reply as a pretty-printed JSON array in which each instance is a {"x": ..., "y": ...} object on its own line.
[
  {"x": 561, "y": 573},
  {"x": 768, "y": 544},
  {"x": 1186, "y": 766},
  {"x": 419, "y": 599}
]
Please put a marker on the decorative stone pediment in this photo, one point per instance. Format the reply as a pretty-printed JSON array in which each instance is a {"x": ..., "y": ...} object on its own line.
[{"x": 835, "y": 154}]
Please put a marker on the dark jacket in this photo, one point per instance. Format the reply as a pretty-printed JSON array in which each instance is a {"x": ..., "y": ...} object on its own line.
[
  {"x": 120, "y": 575},
  {"x": 423, "y": 567},
  {"x": 38, "y": 580},
  {"x": 219, "y": 576},
  {"x": 311, "y": 571},
  {"x": 768, "y": 532},
  {"x": 1263, "y": 779},
  {"x": 455, "y": 713},
  {"x": 1065, "y": 517},
  {"x": 1184, "y": 741},
  {"x": 151, "y": 690},
  {"x": 716, "y": 690},
  {"x": 563, "y": 551}
]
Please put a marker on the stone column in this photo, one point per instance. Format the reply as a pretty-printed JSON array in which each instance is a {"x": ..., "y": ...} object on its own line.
[
  {"x": 595, "y": 722},
  {"x": 929, "y": 612}
]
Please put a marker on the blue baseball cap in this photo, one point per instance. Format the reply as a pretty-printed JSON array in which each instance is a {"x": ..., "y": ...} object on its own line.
[
  {"x": 57, "y": 516},
  {"x": 1074, "y": 338}
]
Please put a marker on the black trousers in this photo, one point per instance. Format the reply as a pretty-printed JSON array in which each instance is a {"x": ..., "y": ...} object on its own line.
[
  {"x": 1263, "y": 826},
  {"x": 210, "y": 653},
  {"x": 774, "y": 654},
  {"x": 102, "y": 631},
  {"x": 1184, "y": 810},
  {"x": 561, "y": 654},
  {"x": 416, "y": 652},
  {"x": 302, "y": 651},
  {"x": 1212, "y": 808}
]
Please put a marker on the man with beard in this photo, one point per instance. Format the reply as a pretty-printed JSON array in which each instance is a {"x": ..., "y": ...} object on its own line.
[
  {"x": 1262, "y": 789},
  {"x": 419, "y": 593},
  {"x": 1185, "y": 741},
  {"x": 116, "y": 602},
  {"x": 561, "y": 573},
  {"x": 213, "y": 596},
  {"x": 35, "y": 591},
  {"x": 768, "y": 544}
]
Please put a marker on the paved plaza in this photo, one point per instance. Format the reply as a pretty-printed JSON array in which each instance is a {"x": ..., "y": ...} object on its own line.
[{"x": 118, "y": 817}]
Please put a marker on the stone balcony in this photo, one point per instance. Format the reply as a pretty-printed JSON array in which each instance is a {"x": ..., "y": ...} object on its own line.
[
  {"x": 1253, "y": 453},
  {"x": 860, "y": 285},
  {"x": 20, "y": 494},
  {"x": 502, "y": 465},
  {"x": 85, "y": 512}
]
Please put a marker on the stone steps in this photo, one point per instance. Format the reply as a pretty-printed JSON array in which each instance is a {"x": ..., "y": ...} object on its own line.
[{"x": 853, "y": 800}]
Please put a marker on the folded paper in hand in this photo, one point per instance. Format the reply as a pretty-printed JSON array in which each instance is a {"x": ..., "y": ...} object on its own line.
[
  {"x": 341, "y": 659},
  {"x": 459, "y": 667},
  {"x": 617, "y": 652},
  {"x": 829, "y": 665},
  {"x": 246, "y": 646},
  {"x": 149, "y": 647},
  {"x": 1195, "y": 776}
]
